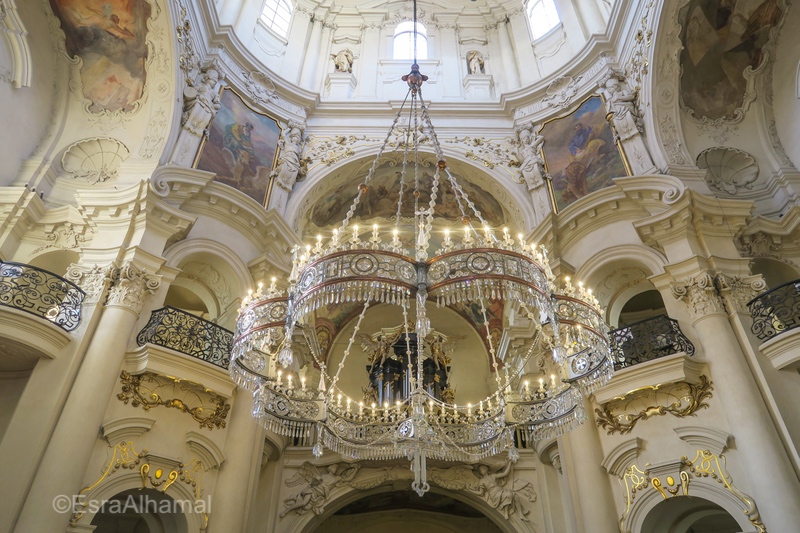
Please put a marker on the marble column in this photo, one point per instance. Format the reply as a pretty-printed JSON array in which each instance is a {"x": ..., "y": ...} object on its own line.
[
  {"x": 770, "y": 474},
  {"x": 509, "y": 58},
  {"x": 370, "y": 50},
  {"x": 592, "y": 497},
  {"x": 238, "y": 474},
  {"x": 35, "y": 415},
  {"x": 67, "y": 455}
]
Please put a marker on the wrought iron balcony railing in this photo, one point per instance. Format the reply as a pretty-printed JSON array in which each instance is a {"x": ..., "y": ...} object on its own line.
[
  {"x": 648, "y": 339},
  {"x": 41, "y": 293},
  {"x": 189, "y": 334},
  {"x": 776, "y": 310}
]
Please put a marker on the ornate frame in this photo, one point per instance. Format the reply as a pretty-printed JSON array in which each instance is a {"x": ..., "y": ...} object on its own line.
[
  {"x": 252, "y": 108},
  {"x": 575, "y": 109}
]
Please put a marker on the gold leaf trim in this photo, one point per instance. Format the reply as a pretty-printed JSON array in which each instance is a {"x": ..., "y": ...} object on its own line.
[
  {"x": 149, "y": 390},
  {"x": 680, "y": 399}
]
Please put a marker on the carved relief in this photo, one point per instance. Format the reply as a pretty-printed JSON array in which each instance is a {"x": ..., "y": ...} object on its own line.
[
  {"x": 699, "y": 295},
  {"x": 680, "y": 399},
  {"x": 728, "y": 170},
  {"x": 737, "y": 291},
  {"x": 496, "y": 485},
  {"x": 131, "y": 286},
  {"x": 211, "y": 278},
  {"x": 16, "y": 38},
  {"x": 65, "y": 237},
  {"x": 150, "y": 390},
  {"x": 92, "y": 280},
  {"x": 561, "y": 91},
  {"x": 97, "y": 160},
  {"x": 187, "y": 57}
]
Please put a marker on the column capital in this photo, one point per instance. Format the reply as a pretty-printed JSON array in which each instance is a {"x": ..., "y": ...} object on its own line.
[
  {"x": 93, "y": 280},
  {"x": 131, "y": 285},
  {"x": 737, "y": 291},
  {"x": 699, "y": 294}
]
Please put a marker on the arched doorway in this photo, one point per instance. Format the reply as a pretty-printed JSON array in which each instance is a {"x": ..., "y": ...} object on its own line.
[
  {"x": 140, "y": 511},
  {"x": 401, "y": 511},
  {"x": 689, "y": 515}
]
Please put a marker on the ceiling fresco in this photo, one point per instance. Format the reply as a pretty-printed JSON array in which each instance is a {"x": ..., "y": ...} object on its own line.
[{"x": 723, "y": 42}]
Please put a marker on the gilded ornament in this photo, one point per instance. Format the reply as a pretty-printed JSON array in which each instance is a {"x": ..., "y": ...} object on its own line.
[
  {"x": 151, "y": 390},
  {"x": 680, "y": 399}
]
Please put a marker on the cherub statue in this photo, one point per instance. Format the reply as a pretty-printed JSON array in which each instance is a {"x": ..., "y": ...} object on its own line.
[
  {"x": 532, "y": 166},
  {"x": 315, "y": 493},
  {"x": 343, "y": 61},
  {"x": 494, "y": 488},
  {"x": 289, "y": 165},
  {"x": 475, "y": 62}
]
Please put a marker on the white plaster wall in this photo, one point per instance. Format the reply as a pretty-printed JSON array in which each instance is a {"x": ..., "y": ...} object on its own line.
[{"x": 26, "y": 111}]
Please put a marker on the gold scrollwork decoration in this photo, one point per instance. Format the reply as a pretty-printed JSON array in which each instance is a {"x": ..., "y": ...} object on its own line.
[
  {"x": 123, "y": 456},
  {"x": 679, "y": 399},
  {"x": 151, "y": 390},
  {"x": 705, "y": 465},
  {"x": 157, "y": 480},
  {"x": 708, "y": 465}
]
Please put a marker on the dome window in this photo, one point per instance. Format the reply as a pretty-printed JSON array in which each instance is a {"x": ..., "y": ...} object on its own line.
[
  {"x": 276, "y": 16},
  {"x": 542, "y": 17},
  {"x": 404, "y": 41}
]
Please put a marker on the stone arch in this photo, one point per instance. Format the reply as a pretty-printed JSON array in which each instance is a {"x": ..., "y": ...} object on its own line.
[
  {"x": 211, "y": 272},
  {"x": 707, "y": 489},
  {"x": 619, "y": 273},
  {"x": 774, "y": 271},
  {"x": 55, "y": 261},
  {"x": 308, "y": 524},
  {"x": 126, "y": 481},
  {"x": 303, "y": 195}
]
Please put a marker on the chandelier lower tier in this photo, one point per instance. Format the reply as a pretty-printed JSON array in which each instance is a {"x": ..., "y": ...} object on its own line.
[{"x": 375, "y": 268}]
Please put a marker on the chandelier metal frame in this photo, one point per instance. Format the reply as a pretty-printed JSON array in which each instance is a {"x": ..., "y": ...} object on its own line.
[{"x": 482, "y": 267}]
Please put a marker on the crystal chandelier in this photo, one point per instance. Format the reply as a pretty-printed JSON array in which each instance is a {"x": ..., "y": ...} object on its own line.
[{"x": 407, "y": 269}]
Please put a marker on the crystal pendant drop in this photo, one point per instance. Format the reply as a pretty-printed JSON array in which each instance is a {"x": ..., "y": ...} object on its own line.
[
  {"x": 285, "y": 358},
  {"x": 317, "y": 450}
]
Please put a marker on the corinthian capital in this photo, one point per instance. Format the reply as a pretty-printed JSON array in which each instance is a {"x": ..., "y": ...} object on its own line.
[
  {"x": 131, "y": 287},
  {"x": 699, "y": 294},
  {"x": 93, "y": 280},
  {"x": 737, "y": 291}
]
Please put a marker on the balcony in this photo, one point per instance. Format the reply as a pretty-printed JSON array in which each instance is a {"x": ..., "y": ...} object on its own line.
[
  {"x": 648, "y": 339},
  {"x": 648, "y": 354},
  {"x": 41, "y": 293},
  {"x": 188, "y": 334},
  {"x": 776, "y": 317}
]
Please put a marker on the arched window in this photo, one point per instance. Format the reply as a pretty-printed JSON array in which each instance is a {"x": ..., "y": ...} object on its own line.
[
  {"x": 276, "y": 15},
  {"x": 542, "y": 17},
  {"x": 404, "y": 41}
]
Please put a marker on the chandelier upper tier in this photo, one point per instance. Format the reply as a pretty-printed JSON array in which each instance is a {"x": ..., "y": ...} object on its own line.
[{"x": 412, "y": 266}]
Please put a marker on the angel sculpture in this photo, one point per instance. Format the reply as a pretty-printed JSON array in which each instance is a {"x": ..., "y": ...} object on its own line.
[
  {"x": 493, "y": 487},
  {"x": 318, "y": 487},
  {"x": 377, "y": 350},
  {"x": 532, "y": 167}
]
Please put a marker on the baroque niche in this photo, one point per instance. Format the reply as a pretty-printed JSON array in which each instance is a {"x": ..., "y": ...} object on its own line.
[{"x": 728, "y": 170}]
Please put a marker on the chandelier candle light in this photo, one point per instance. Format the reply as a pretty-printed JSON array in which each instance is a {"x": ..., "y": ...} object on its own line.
[{"x": 381, "y": 268}]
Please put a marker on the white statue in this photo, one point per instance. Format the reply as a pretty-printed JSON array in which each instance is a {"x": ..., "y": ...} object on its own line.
[
  {"x": 314, "y": 495},
  {"x": 532, "y": 166},
  {"x": 343, "y": 61},
  {"x": 475, "y": 62},
  {"x": 501, "y": 494},
  {"x": 622, "y": 103},
  {"x": 289, "y": 165},
  {"x": 201, "y": 100}
]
